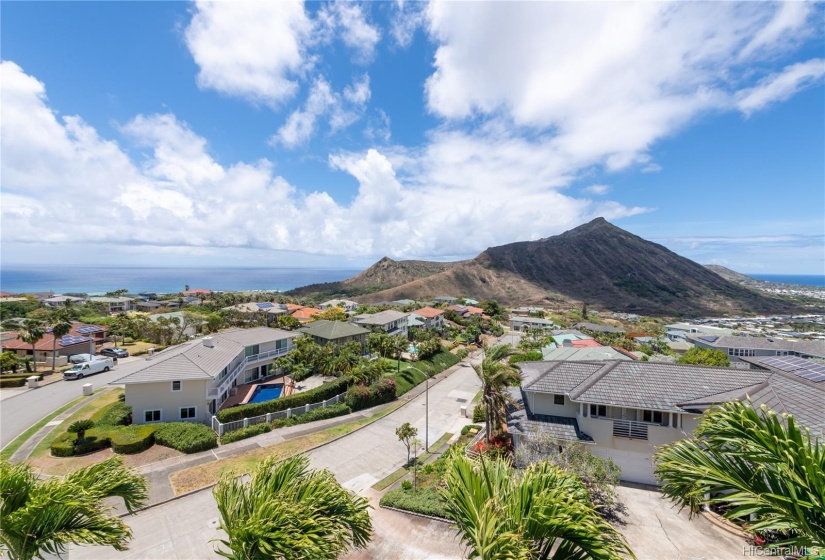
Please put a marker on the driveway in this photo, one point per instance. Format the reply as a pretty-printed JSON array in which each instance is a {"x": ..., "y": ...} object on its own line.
[{"x": 656, "y": 530}]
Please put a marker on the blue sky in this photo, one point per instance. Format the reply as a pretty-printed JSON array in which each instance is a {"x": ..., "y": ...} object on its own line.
[{"x": 332, "y": 134}]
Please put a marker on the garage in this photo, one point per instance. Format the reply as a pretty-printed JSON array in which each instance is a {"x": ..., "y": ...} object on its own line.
[{"x": 636, "y": 467}]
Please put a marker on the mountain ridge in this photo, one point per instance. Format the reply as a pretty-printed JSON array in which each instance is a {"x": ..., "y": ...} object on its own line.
[{"x": 596, "y": 263}]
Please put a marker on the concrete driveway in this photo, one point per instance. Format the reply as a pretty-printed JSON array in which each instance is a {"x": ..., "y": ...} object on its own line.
[{"x": 656, "y": 530}]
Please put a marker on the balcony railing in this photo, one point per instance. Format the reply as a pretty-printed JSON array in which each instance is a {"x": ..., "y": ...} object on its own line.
[
  {"x": 629, "y": 429},
  {"x": 226, "y": 384}
]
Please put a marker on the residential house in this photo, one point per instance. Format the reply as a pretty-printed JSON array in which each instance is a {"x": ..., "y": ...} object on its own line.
[
  {"x": 335, "y": 332},
  {"x": 402, "y": 302},
  {"x": 449, "y": 300},
  {"x": 680, "y": 331},
  {"x": 525, "y": 323},
  {"x": 390, "y": 322},
  {"x": 737, "y": 347},
  {"x": 527, "y": 310},
  {"x": 345, "y": 304},
  {"x": 149, "y": 305},
  {"x": 431, "y": 317},
  {"x": 572, "y": 353},
  {"x": 113, "y": 304},
  {"x": 61, "y": 301},
  {"x": 197, "y": 292},
  {"x": 189, "y": 382},
  {"x": 259, "y": 311},
  {"x": 82, "y": 339},
  {"x": 623, "y": 410},
  {"x": 305, "y": 314}
]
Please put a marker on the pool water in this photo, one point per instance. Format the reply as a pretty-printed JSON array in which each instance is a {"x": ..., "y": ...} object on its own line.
[
  {"x": 412, "y": 349},
  {"x": 265, "y": 393}
]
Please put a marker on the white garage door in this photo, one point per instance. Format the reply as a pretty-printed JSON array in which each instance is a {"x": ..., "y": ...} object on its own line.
[{"x": 636, "y": 467}]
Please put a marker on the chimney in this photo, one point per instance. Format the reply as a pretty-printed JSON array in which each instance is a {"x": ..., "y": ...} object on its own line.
[{"x": 208, "y": 342}]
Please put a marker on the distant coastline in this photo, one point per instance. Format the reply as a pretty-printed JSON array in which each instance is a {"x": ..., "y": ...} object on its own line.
[
  {"x": 92, "y": 279},
  {"x": 817, "y": 280}
]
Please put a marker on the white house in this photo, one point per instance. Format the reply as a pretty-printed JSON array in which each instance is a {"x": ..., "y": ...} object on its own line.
[
  {"x": 755, "y": 346},
  {"x": 345, "y": 304},
  {"x": 191, "y": 381},
  {"x": 390, "y": 321},
  {"x": 526, "y": 323},
  {"x": 624, "y": 410},
  {"x": 431, "y": 317},
  {"x": 114, "y": 304}
]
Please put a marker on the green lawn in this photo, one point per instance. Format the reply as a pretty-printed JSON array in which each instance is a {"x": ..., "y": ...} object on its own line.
[{"x": 411, "y": 372}]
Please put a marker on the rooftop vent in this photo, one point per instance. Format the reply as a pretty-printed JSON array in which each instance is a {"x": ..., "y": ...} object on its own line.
[{"x": 209, "y": 342}]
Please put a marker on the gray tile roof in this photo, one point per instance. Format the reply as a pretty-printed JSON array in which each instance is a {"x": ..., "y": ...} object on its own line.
[
  {"x": 193, "y": 360},
  {"x": 583, "y": 354},
  {"x": 380, "y": 318},
  {"x": 812, "y": 347},
  {"x": 331, "y": 330},
  {"x": 521, "y": 421},
  {"x": 677, "y": 388}
]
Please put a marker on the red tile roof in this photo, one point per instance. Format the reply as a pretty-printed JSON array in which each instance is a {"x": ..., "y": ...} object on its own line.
[
  {"x": 429, "y": 312},
  {"x": 293, "y": 307},
  {"x": 306, "y": 313},
  {"x": 47, "y": 341},
  {"x": 474, "y": 310},
  {"x": 586, "y": 343}
]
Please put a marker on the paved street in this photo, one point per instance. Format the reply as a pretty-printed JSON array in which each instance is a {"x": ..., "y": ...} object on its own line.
[
  {"x": 25, "y": 408},
  {"x": 183, "y": 528}
]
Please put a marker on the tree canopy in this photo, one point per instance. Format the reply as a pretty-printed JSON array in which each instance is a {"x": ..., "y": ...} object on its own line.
[{"x": 704, "y": 357}]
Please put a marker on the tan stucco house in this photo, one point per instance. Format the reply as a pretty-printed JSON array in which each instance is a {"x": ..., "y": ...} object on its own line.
[
  {"x": 625, "y": 409},
  {"x": 190, "y": 382}
]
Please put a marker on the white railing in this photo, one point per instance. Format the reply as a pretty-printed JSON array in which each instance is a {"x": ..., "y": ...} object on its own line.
[
  {"x": 226, "y": 384},
  {"x": 470, "y": 449},
  {"x": 223, "y": 428},
  {"x": 629, "y": 429}
]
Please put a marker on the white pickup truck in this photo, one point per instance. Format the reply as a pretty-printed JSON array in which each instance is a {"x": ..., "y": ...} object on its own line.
[{"x": 92, "y": 367}]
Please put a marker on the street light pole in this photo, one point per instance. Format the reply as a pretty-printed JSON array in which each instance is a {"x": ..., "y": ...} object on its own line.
[{"x": 426, "y": 409}]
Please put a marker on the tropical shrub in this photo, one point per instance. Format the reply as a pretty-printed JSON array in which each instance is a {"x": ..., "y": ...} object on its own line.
[
  {"x": 380, "y": 392},
  {"x": 91, "y": 444},
  {"x": 319, "y": 394},
  {"x": 466, "y": 429},
  {"x": 243, "y": 433},
  {"x": 80, "y": 428},
  {"x": 115, "y": 414},
  {"x": 406, "y": 485},
  {"x": 531, "y": 356},
  {"x": 186, "y": 437},
  {"x": 8, "y": 381},
  {"x": 133, "y": 439},
  {"x": 63, "y": 445},
  {"x": 478, "y": 413},
  {"x": 425, "y": 501},
  {"x": 462, "y": 353},
  {"x": 318, "y": 414}
]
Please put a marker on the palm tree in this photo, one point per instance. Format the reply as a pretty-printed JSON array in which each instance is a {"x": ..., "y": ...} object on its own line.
[
  {"x": 495, "y": 377},
  {"x": 32, "y": 333},
  {"x": 544, "y": 513},
  {"x": 59, "y": 330},
  {"x": 757, "y": 462},
  {"x": 45, "y": 516},
  {"x": 287, "y": 511}
]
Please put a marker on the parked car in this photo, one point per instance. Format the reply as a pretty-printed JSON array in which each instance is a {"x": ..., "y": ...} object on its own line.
[
  {"x": 80, "y": 358},
  {"x": 114, "y": 353},
  {"x": 97, "y": 365}
]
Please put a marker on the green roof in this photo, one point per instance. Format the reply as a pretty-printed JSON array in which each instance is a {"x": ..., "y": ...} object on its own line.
[{"x": 332, "y": 330}]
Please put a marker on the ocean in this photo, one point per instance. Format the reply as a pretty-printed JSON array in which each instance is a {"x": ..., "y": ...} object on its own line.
[
  {"x": 799, "y": 279},
  {"x": 93, "y": 279}
]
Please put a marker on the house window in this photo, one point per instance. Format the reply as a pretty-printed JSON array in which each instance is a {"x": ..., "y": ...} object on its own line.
[
  {"x": 598, "y": 410},
  {"x": 187, "y": 413},
  {"x": 176, "y": 385},
  {"x": 653, "y": 416},
  {"x": 558, "y": 399},
  {"x": 252, "y": 350},
  {"x": 151, "y": 416}
]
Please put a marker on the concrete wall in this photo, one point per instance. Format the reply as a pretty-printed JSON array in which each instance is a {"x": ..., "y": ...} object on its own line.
[
  {"x": 159, "y": 396},
  {"x": 542, "y": 403}
]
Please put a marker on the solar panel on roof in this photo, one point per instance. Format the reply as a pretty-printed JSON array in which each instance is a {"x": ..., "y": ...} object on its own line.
[
  {"x": 806, "y": 369},
  {"x": 265, "y": 305},
  {"x": 89, "y": 329},
  {"x": 709, "y": 338},
  {"x": 69, "y": 340}
]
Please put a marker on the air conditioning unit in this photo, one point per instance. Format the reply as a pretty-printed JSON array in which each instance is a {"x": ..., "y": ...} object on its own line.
[{"x": 208, "y": 342}]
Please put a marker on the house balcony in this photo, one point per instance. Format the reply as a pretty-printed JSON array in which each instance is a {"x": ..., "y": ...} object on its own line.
[
  {"x": 256, "y": 359},
  {"x": 630, "y": 429}
]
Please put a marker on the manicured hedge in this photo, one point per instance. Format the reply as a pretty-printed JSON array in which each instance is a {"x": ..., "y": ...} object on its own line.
[
  {"x": 186, "y": 437},
  {"x": 319, "y": 394},
  {"x": 318, "y": 414},
  {"x": 243, "y": 433},
  {"x": 7, "y": 381},
  {"x": 91, "y": 444},
  {"x": 531, "y": 356},
  {"x": 63, "y": 445},
  {"x": 380, "y": 392},
  {"x": 466, "y": 429},
  {"x": 425, "y": 501},
  {"x": 133, "y": 439}
]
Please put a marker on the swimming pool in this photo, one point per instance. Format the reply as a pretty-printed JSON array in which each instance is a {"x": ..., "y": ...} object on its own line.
[{"x": 265, "y": 393}]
